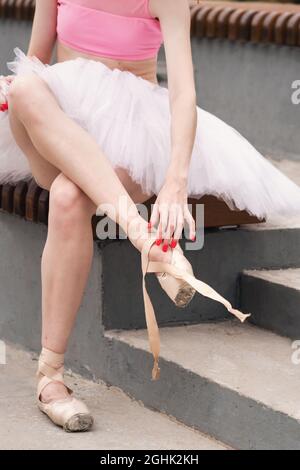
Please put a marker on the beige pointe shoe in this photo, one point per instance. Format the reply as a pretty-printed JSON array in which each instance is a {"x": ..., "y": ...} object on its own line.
[
  {"x": 179, "y": 282},
  {"x": 179, "y": 291},
  {"x": 69, "y": 413}
]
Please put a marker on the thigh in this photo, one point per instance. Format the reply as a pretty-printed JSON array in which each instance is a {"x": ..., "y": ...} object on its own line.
[
  {"x": 134, "y": 190},
  {"x": 43, "y": 172}
]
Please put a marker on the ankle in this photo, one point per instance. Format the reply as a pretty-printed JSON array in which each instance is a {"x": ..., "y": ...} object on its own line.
[
  {"x": 53, "y": 358},
  {"x": 137, "y": 231}
]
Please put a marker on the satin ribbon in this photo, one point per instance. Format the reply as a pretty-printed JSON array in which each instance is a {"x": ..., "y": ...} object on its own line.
[
  {"x": 200, "y": 286},
  {"x": 50, "y": 369}
]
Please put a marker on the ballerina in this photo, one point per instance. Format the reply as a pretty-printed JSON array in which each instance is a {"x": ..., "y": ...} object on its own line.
[{"x": 95, "y": 128}]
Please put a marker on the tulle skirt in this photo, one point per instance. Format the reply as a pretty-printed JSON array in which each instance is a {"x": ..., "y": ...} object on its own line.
[{"x": 129, "y": 118}]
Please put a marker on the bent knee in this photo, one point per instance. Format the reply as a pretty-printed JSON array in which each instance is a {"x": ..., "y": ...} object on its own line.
[
  {"x": 27, "y": 95},
  {"x": 67, "y": 199}
]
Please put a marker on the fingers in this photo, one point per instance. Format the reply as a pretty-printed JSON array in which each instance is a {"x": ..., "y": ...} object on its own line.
[
  {"x": 191, "y": 223},
  {"x": 178, "y": 229},
  {"x": 170, "y": 220},
  {"x": 154, "y": 219},
  {"x": 170, "y": 225},
  {"x": 170, "y": 229},
  {"x": 163, "y": 226}
]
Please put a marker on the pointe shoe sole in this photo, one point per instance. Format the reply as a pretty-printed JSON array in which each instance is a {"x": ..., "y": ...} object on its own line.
[
  {"x": 184, "y": 296},
  {"x": 79, "y": 423}
]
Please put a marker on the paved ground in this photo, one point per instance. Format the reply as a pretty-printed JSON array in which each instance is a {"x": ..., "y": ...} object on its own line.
[{"x": 121, "y": 423}]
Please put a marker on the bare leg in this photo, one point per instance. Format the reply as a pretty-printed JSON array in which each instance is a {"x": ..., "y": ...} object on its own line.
[
  {"x": 62, "y": 260},
  {"x": 66, "y": 263},
  {"x": 68, "y": 147},
  {"x": 68, "y": 251},
  {"x": 43, "y": 172}
]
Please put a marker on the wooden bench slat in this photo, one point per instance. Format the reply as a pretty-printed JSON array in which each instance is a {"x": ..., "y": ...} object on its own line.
[
  {"x": 200, "y": 21},
  {"x": 280, "y": 27},
  {"x": 19, "y": 206},
  {"x": 245, "y": 25},
  {"x": 292, "y": 28},
  {"x": 31, "y": 203},
  {"x": 257, "y": 26},
  {"x": 7, "y": 200},
  {"x": 43, "y": 207},
  {"x": 234, "y": 24},
  {"x": 223, "y": 22},
  {"x": 211, "y": 22}
]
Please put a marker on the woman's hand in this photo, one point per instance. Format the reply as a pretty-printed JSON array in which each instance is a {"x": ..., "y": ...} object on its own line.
[{"x": 170, "y": 212}]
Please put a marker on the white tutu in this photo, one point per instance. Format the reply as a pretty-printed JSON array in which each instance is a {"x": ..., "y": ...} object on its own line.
[{"x": 129, "y": 118}]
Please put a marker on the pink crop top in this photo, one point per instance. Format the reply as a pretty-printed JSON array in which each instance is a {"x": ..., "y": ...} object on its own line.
[{"x": 120, "y": 29}]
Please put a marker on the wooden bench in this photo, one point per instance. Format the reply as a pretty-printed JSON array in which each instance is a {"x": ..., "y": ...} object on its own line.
[
  {"x": 29, "y": 201},
  {"x": 17, "y": 9},
  {"x": 247, "y": 21}
]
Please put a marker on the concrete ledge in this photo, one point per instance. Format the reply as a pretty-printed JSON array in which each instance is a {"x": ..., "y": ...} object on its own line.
[
  {"x": 226, "y": 253},
  {"x": 233, "y": 381},
  {"x": 118, "y": 294},
  {"x": 274, "y": 299}
]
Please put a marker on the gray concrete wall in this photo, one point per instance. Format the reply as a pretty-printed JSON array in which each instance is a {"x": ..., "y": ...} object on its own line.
[
  {"x": 249, "y": 86},
  {"x": 21, "y": 247},
  {"x": 12, "y": 33}
]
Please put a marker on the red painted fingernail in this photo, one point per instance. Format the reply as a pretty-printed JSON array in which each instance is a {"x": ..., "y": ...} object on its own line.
[
  {"x": 165, "y": 248},
  {"x": 4, "y": 107},
  {"x": 158, "y": 242},
  {"x": 173, "y": 244},
  {"x": 194, "y": 238}
]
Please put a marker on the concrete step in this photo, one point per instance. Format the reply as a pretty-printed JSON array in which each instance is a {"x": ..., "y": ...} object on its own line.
[
  {"x": 273, "y": 297},
  {"x": 225, "y": 255},
  {"x": 235, "y": 382},
  {"x": 120, "y": 422},
  {"x": 114, "y": 293}
]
